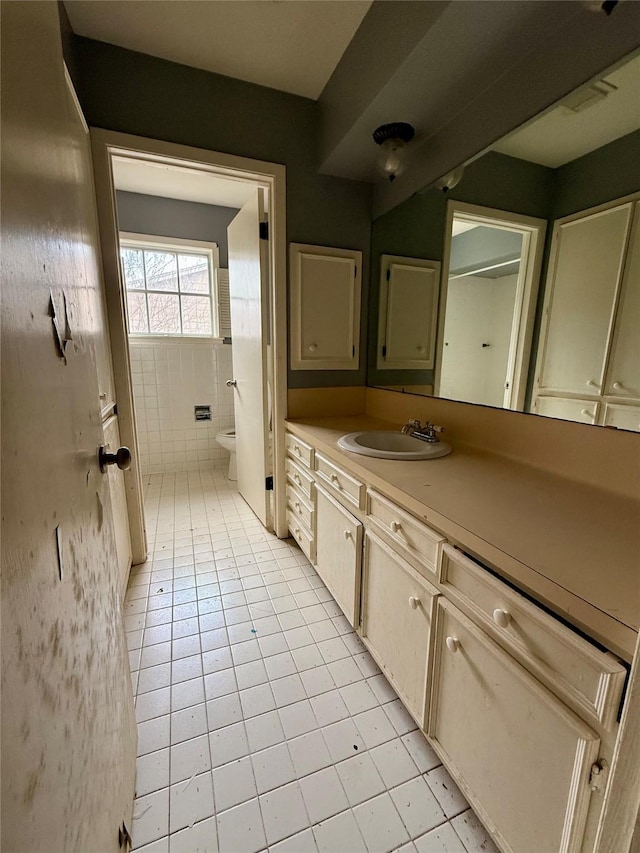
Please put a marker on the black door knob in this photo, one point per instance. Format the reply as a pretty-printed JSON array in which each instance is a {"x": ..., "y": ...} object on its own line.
[{"x": 121, "y": 458}]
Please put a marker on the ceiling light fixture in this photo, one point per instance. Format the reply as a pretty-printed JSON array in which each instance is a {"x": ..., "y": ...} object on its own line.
[
  {"x": 392, "y": 139},
  {"x": 449, "y": 181}
]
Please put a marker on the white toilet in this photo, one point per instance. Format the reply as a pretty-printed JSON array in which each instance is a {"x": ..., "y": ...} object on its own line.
[{"x": 227, "y": 439}]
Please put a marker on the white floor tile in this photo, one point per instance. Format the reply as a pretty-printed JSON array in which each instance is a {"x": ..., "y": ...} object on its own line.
[
  {"x": 150, "y": 817},
  {"x": 152, "y": 772},
  {"x": 339, "y": 833},
  {"x": 380, "y": 825},
  {"x": 472, "y": 833},
  {"x": 188, "y": 723},
  {"x": 283, "y": 812},
  {"x": 446, "y": 792},
  {"x": 358, "y": 697},
  {"x": 257, "y": 700},
  {"x": 153, "y": 734},
  {"x": 421, "y": 752},
  {"x": 343, "y": 740},
  {"x": 323, "y": 794},
  {"x": 443, "y": 839},
  {"x": 417, "y": 806},
  {"x": 394, "y": 763},
  {"x": 302, "y": 842},
  {"x": 273, "y": 768},
  {"x": 241, "y": 829},
  {"x": 360, "y": 778},
  {"x": 288, "y": 690},
  {"x": 187, "y": 693},
  {"x": 264, "y": 730},
  {"x": 189, "y": 757},
  {"x": 329, "y": 708},
  {"x": 233, "y": 784},
  {"x": 228, "y": 744},
  {"x": 298, "y": 719},
  {"x": 375, "y": 727},
  {"x": 153, "y": 704},
  {"x": 223, "y": 711},
  {"x": 400, "y": 718},
  {"x": 202, "y": 837},
  {"x": 309, "y": 753}
]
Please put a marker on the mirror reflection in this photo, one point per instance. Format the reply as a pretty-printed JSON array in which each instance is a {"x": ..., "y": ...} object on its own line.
[{"x": 520, "y": 287}]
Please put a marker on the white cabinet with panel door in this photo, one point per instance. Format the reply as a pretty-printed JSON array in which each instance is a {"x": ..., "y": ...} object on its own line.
[
  {"x": 339, "y": 552},
  {"x": 397, "y": 604},
  {"x": 325, "y": 307},
  {"x": 408, "y": 313},
  {"x": 522, "y": 758},
  {"x": 567, "y": 409}
]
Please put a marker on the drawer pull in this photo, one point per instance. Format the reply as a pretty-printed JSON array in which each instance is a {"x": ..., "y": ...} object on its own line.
[
  {"x": 313, "y": 347},
  {"x": 502, "y": 618},
  {"x": 296, "y": 477},
  {"x": 413, "y": 602},
  {"x": 452, "y": 644},
  {"x": 395, "y": 526},
  {"x": 592, "y": 384},
  {"x": 586, "y": 413},
  {"x": 296, "y": 530},
  {"x": 617, "y": 386},
  {"x": 347, "y": 534},
  {"x": 297, "y": 449},
  {"x": 297, "y": 506},
  {"x": 334, "y": 479}
]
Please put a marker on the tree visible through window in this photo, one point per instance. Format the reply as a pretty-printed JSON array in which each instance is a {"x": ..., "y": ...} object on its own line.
[{"x": 168, "y": 292}]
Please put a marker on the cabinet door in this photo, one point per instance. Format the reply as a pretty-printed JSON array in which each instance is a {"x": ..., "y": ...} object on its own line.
[
  {"x": 325, "y": 308},
  {"x": 580, "y": 411},
  {"x": 522, "y": 757},
  {"x": 408, "y": 312},
  {"x": 339, "y": 553},
  {"x": 583, "y": 286},
  {"x": 397, "y": 605},
  {"x": 623, "y": 376}
]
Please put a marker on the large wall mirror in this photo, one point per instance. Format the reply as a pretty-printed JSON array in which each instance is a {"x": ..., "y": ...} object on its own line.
[{"x": 536, "y": 252}]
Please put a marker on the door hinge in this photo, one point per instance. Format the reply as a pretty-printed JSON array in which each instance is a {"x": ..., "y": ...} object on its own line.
[
  {"x": 268, "y": 484},
  {"x": 598, "y": 775},
  {"x": 264, "y": 230}
]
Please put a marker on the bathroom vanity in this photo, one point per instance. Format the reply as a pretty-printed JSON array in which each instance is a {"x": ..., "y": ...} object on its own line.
[{"x": 500, "y": 601}]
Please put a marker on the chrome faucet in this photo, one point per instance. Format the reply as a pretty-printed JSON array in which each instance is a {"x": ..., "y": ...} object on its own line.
[{"x": 428, "y": 432}]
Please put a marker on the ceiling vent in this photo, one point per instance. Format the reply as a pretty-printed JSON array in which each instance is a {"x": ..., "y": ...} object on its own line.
[{"x": 588, "y": 96}]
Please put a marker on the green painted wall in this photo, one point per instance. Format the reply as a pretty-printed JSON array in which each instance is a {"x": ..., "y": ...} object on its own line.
[{"x": 130, "y": 92}]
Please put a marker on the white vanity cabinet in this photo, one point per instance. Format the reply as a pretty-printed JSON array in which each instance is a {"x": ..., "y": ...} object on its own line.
[
  {"x": 520, "y": 756},
  {"x": 325, "y": 307},
  {"x": 300, "y": 494},
  {"x": 339, "y": 552},
  {"x": 397, "y": 607}
]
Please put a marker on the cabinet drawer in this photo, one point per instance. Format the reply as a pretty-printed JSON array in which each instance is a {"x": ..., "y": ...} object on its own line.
[
  {"x": 413, "y": 538},
  {"x": 302, "y": 536},
  {"x": 299, "y": 478},
  {"x": 520, "y": 755},
  {"x": 591, "y": 680},
  {"x": 300, "y": 508},
  {"x": 343, "y": 485},
  {"x": 299, "y": 450}
]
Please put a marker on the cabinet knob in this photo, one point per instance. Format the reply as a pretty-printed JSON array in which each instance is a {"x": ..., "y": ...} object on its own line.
[
  {"x": 395, "y": 526},
  {"x": 296, "y": 530},
  {"x": 296, "y": 449},
  {"x": 334, "y": 479},
  {"x": 296, "y": 477},
  {"x": 586, "y": 413},
  {"x": 502, "y": 618},
  {"x": 413, "y": 602},
  {"x": 420, "y": 348},
  {"x": 347, "y": 534},
  {"x": 617, "y": 386},
  {"x": 297, "y": 506},
  {"x": 591, "y": 383},
  {"x": 313, "y": 347},
  {"x": 452, "y": 644}
]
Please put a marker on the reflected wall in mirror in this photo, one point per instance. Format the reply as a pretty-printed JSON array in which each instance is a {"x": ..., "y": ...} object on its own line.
[{"x": 540, "y": 253}]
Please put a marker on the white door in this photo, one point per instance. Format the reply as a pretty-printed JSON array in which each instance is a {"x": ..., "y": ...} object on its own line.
[
  {"x": 248, "y": 296},
  {"x": 68, "y": 726}
]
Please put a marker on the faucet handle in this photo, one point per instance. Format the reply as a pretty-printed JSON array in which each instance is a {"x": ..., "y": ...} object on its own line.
[{"x": 414, "y": 422}]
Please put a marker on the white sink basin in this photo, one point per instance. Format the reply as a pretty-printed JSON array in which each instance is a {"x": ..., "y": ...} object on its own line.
[{"x": 388, "y": 444}]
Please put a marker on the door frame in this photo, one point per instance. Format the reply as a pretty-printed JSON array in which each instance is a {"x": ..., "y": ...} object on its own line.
[
  {"x": 534, "y": 232},
  {"x": 272, "y": 176}
]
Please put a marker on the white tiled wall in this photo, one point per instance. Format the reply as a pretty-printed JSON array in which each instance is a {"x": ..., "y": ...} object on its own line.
[{"x": 170, "y": 377}]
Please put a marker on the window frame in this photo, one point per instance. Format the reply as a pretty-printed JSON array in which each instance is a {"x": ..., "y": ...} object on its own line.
[{"x": 176, "y": 245}]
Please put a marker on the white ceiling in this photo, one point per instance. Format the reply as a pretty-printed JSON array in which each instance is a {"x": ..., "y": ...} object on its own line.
[
  {"x": 143, "y": 176},
  {"x": 291, "y": 45},
  {"x": 561, "y": 135}
]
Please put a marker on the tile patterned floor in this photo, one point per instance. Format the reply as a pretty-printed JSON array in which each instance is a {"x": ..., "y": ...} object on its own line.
[{"x": 263, "y": 722}]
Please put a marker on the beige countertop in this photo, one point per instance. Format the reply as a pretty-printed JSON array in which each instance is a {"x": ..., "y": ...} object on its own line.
[{"x": 573, "y": 547}]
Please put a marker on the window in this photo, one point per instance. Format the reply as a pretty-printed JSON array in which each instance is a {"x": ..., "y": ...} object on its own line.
[{"x": 169, "y": 286}]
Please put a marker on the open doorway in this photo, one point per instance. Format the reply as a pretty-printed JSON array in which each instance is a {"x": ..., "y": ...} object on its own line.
[
  {"x": 488, "y": 301},
  {"x": 193, "y": 273}
]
